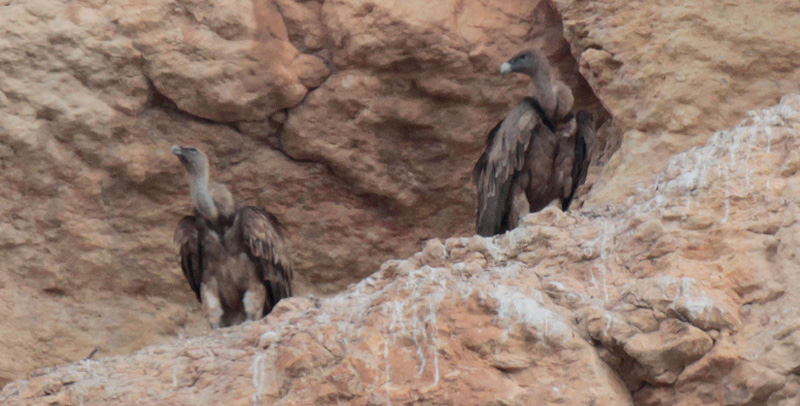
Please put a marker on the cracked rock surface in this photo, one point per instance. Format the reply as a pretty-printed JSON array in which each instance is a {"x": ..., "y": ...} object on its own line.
[
  {"x": 360, "y": 142},
  {"x": 569, "y": 308},
  {"x": 357, "y": 124}
]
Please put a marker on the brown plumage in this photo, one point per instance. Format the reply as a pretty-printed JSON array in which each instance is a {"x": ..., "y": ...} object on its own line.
[
  {"x": 537, "y": 154},
  {"x": 234, "y": 259},
  {"x": 584, "y": 146}
]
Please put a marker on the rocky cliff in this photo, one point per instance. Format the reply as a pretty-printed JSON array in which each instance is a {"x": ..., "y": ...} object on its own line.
[
  {"x": 356, "y": 123},
  {"x": 681, "y": 296}
]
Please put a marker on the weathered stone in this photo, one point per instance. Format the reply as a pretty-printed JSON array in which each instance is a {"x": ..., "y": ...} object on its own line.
[
  {"x": 703, "y": 308},
  {"x": 669, "y": 80},
  {"x": 362, "y": 121},
  {"x": 421, "y": 330},
  {"x": 92, "y": 94},
  {"x": 666, "y": 352},
  {"x": 751, "y": 384}
]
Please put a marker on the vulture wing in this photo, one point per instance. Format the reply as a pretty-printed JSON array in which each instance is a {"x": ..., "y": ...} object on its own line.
[
  {"x": 584, "y": 144},
  {"x": 264, "y": 244},
  {"x": 187, "y": 238},
  {"x": 502, "y": 161},
  {"x": 480, "y": 166}
]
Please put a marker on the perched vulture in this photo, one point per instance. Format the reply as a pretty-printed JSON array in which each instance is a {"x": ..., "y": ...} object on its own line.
[
  {"x": 234, "y": 259},
  {"x": 539, "y": 153}
]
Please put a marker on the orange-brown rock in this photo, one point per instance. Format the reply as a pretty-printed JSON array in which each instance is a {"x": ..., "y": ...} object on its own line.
[
  {"x": 670, "y": 74},
  {"x": 361, "y": 149},
  {"x": 569, "y": 308},
  {"x": 357, "y": 123}
]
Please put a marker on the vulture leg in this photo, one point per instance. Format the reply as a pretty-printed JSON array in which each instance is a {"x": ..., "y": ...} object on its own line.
[
  {"x": 519, "y": 208},
  {"x": 253, "y": 301},
  {"x": 211, "y": 305},
  {"x": 519, "y": 203}
]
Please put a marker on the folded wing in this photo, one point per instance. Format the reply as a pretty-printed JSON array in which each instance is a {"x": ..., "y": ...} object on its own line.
[
  {"x": 584, "y": 144},
  {"x": 263, "y": 242},
  {"x": 501, "y": 163},
  {"x": 187, "y": 238}
]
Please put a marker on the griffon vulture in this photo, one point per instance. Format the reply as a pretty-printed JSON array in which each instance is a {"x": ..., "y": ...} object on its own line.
[
  {"x": 234, "y": 259},
  {"x": 537, "y": 154}
]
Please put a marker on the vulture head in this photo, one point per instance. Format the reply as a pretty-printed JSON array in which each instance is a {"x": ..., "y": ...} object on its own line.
[
  {"x": 529, "y": 62},
  {"x": 194, "y": 160}
]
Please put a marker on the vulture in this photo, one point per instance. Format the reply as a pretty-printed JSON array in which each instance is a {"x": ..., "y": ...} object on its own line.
[
  {"x": 234, "y": 259},
  {"x": 539, "y": 153}
]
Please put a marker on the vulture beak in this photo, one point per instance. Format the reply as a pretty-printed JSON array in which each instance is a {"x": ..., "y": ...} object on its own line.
[
  {"x": 177, "y": 150},
  {"x": 505, "y": 68}
]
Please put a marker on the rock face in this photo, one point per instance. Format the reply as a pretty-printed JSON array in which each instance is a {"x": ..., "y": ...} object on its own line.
[
  {"x": 671, "y": 74},
  {"x": 678, "y": 297},
  {"x": 685, "y": 69},
  {"x": 357, "y": 123},
  {"x": 359, "y": 141}
]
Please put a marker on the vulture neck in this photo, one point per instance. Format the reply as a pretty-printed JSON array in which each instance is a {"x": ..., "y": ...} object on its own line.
[
  {"x": 542, "y": 91},
  {"x": 201, "y": 197}
]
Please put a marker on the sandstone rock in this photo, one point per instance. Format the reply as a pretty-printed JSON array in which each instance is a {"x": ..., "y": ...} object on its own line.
[
  {"x": 93, "y": 94},
  {"x": 752, "y": 384},
  {"x": 669, "y": 80},
  {"x": 224, "y": 61},
  {"x": 721, "y": 377},
  {"x": 629, "y": 56},
  {"x": 421, "y": 330},
  {"x": 665, "y": 353},
  {"x": 609, "y": 329},
  {"x": 681, "y": 297},
  {"x": 311, "y": 70}
]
